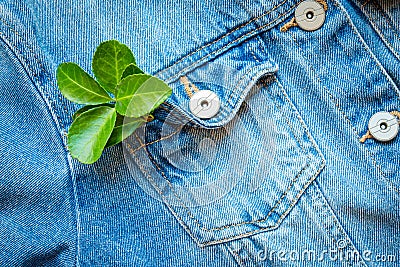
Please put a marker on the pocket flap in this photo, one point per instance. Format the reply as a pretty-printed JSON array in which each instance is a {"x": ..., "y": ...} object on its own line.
[
  {"x": 242, "y": 171},
  {"x": 229, "y": 75}
]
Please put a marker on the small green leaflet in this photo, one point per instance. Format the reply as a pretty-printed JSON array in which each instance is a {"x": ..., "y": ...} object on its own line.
[
  {"x": 140, "y": 94},
  {"x": 77, "y": 86},
  {"x": 109, "y": 62},
  {"x": 105, "y": 121},
  {"x": 89, "y": 133},
  {"x": 130, "y": 70},
  {"x": 123, "y": 128},
  {"x": 88, "y": 107}
]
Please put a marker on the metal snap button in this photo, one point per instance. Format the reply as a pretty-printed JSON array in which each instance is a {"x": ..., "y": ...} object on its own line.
[
  {"x": 204, "y": 104},
  {"x": 383, "y": 126},
  {"x": 310, "y": 15}
]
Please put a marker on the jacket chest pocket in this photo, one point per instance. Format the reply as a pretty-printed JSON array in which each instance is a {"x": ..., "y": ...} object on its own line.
[{"x": 238, "y": 173}]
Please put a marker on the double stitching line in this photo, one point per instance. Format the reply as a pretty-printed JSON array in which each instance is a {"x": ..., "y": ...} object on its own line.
[
  {"x": 222, "y": 37},
  {"x": 236, "y": 40},
  {"x": 32, "y": 72},
  {"x": 390, "y": 183},
  {"x": 283, "y": 215}
]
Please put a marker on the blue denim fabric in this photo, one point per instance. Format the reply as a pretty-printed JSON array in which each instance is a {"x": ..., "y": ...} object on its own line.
[{"x": 277, "y": 178}]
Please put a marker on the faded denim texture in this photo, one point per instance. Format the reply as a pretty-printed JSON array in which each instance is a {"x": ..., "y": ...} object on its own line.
[{"x": 277, "y": 178}]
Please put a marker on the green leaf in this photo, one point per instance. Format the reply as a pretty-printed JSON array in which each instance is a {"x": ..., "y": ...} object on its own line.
[
  {"x": 123, "y": 128},
  {"x": 89, "y": 133},
  {"x": 89, "y": 107},
  {"x": 140, "y": 94},
  {"x": 77, "y": 86},
  {"x": 109, "y": 62},
  {"x": 130, "y": 70}
]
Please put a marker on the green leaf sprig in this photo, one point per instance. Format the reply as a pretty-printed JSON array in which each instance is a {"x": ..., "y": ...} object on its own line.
[{"x": 117, "y": 102}]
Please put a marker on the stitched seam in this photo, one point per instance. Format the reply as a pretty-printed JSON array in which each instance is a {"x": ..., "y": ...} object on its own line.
[
  {"x": 224, "y": 110},
  {"x": 242, "y": 223},
  {"x": 141, "y": 167},
  {"x": 299, "y": 118},
  {"x": 222, "y": 37},
  {"x": 392, "y": 185},
  {"x": 341, "y": 111},
  {"x": 39, "y": 62},
  {"x": 155, "y": 141},
  {"x": 216, "y": 51},
  {"x": 253, "y": 54},
  {"x": 31, "y": 73},
  {"x": 301, "y": 192},
  {"x": 231, "y": 95},
  {"x": 385, "y": 39},
  {"x": 239, "y": 83},
  {"x": 347, "y": 119},
  {"x": 335, "y": 220},
  {"x": 186, "y": 85},
  {"x": 389, "y": 21},
  {"x": 379, "y": 29},
  {"x": 366, "y": 2},
  {"x": 226, "y": 226}
]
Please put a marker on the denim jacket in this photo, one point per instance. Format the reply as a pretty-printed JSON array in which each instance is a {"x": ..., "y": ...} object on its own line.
[{"x": 278, "y": 177}]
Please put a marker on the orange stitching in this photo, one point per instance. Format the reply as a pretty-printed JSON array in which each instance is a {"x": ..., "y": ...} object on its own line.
[
  {"x": 366, "y": 2},
  {"x": 185, "y": 81},
  {"x": 187, "y": 85},
  {"x": 395, "y": 113},
  {"x": 160, "y": 192},
  {"x": 155, "y": 141},
  {"x": 323, "y": 3},
  {"x": 293, "y": 23},
  {"x": 195, "y": 89},
  {"x": 290, "y": 24},
  {"x": 366, "y": 136}
]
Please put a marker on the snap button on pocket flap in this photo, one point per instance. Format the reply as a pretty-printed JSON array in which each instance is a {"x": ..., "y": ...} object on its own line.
[
  {"x": 233, "y": 181},
  {"x": 228, "y": 77}
]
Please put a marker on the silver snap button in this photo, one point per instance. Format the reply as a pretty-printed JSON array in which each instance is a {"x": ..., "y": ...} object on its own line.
[
  {"x": 310, "y": 15},
  {"x": 383, "y": 126},
  {"x": 204, "y": 104}
]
